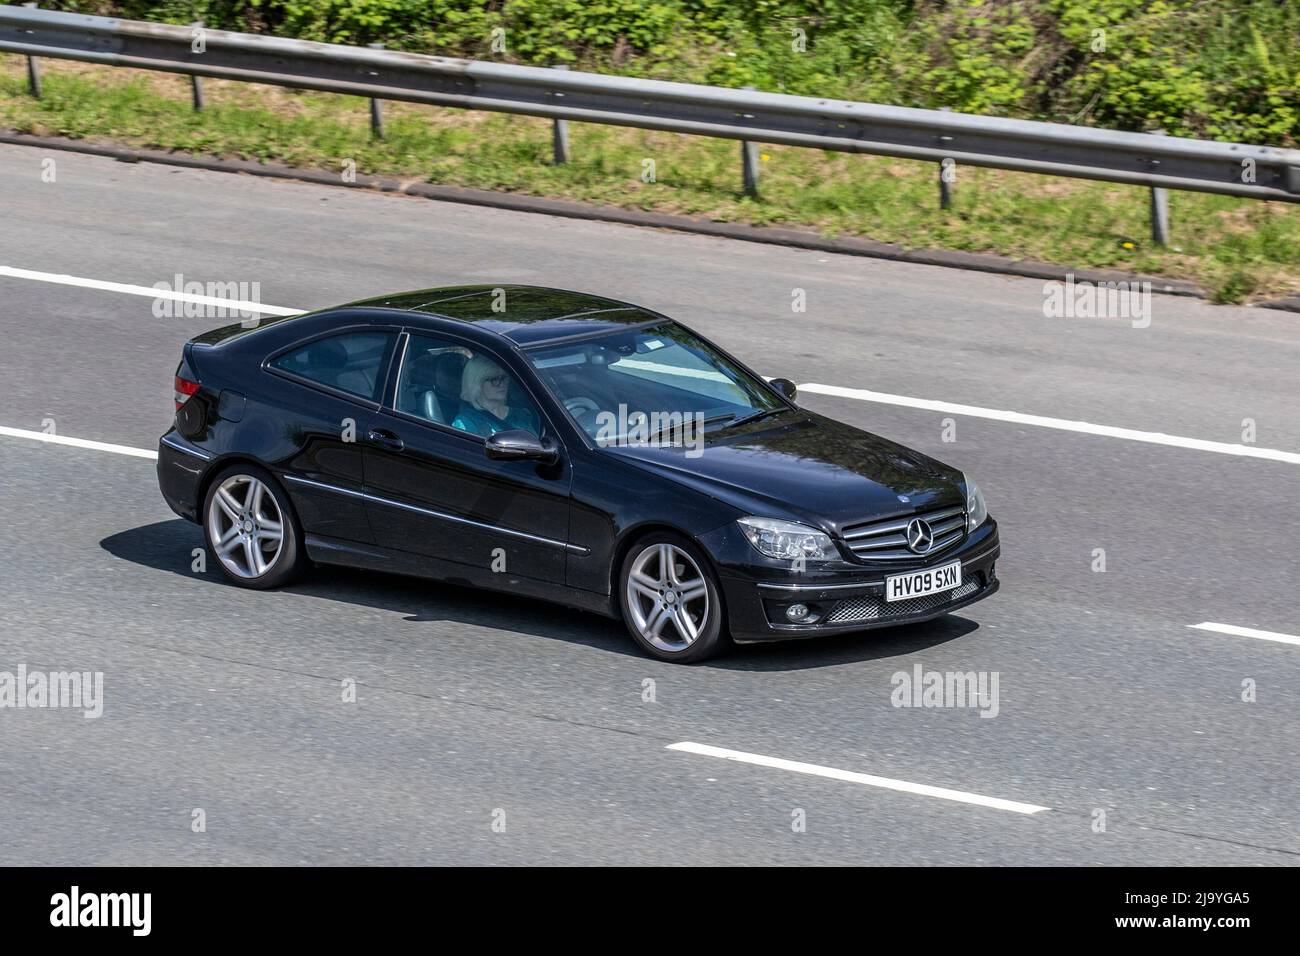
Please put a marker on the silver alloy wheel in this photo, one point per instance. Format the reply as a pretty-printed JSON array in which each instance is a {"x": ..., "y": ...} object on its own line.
[
  {"x": 666, "y": 585},
  {"x": 245, "y": 526}
]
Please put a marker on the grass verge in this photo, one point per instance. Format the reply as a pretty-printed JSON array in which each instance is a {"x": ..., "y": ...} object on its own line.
[{"x": 1236, "y": 249}]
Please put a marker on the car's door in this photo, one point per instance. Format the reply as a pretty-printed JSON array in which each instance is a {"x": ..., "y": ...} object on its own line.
[
  {"x": 431, "y": 489},
  {"x": 329, "y": 391}
]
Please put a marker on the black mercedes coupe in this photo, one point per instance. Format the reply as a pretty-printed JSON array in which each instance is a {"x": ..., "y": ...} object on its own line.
[{"x": 566, "y": 447}]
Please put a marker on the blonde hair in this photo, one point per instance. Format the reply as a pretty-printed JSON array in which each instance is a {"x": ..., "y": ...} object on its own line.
[{"x": 471, "y": 383}]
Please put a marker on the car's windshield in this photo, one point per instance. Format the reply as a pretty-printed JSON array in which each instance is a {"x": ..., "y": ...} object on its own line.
[{"x": 647, "y": 383}]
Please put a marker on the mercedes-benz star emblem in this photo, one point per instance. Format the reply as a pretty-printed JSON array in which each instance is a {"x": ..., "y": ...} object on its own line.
[{"x": 920, "y": 536}]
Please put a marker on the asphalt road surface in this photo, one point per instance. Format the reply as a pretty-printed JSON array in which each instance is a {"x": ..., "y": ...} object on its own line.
[{"x": 496, "y": 730}]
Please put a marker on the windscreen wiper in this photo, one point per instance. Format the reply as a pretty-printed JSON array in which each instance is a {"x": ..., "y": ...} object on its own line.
[
  {"x": 690, "y": 423},
  {"x": 757, "y": 416}
]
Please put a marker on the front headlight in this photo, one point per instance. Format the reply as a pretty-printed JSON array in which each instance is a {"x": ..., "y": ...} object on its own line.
[
  {"x": 976, "y": 509},
  {"x": 787, "y": 540}
]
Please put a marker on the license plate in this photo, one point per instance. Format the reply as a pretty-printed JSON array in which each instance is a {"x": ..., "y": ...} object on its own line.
[{"x": 901, "y": 587}]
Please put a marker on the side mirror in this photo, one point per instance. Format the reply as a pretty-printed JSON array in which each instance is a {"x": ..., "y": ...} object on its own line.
[
  {"x": 785, "y": 387},
  {"x": 520, "y": 445}
]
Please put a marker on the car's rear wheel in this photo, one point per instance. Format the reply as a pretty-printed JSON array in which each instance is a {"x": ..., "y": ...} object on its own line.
[
  {"x": 671, "y": 601},
  {"x": 251, "y": 529}
]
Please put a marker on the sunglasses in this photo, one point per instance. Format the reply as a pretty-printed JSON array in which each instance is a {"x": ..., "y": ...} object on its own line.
[{"x": 496, "y": 380}]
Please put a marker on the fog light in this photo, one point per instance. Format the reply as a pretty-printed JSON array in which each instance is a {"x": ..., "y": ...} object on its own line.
[{"x": 796, "y": 612}]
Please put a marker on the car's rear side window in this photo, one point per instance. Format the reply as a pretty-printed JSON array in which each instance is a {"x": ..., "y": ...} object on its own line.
[{"x": 352, "y": 362}]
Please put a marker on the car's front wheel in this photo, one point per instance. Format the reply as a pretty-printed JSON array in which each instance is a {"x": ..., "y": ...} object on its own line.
[
  {"x": 251, "y": 529},
  {"x": 671, "y": 601}
]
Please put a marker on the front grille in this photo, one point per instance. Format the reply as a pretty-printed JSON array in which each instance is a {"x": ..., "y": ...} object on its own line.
[
  {"x": 886, "y": 539},
  {"x": 872, "y": 608}
]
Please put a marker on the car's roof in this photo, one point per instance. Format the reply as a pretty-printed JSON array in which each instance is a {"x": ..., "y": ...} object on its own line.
[{"x": 524, "y": 314}]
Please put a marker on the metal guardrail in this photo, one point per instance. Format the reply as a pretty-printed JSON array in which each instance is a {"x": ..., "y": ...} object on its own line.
[{"x": 1142, "y": 159}]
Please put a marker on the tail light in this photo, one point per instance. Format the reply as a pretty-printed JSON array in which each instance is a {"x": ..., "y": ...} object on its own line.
[{"x": 184, "y": 389}]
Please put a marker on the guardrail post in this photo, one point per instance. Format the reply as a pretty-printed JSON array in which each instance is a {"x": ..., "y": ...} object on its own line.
[
  {"x": 560, "y": 135},
  {"x": 749, "y": 163},
  {"x": 376, "y": 106},
  {"x": 945, "y": 187},
  {"x": 749, "y": 166},
  {"x": 196, "y": 81},
  {"x": 33, "y": 69},
  {"x": 1159, "y": 216},
  {"x": 1159, "y": 207}
]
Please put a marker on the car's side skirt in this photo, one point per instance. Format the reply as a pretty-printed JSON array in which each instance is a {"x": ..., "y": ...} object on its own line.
[
  {"x": 440, "y": 515},
  {"x": 325, "y": 550}
]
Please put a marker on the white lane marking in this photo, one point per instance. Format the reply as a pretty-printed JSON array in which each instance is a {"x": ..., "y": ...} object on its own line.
[
  {"x": 233, "y": 305},
  {"x": 860, "y": 394},
  {"x": 1087, "y": 428},
  {"x": 1236, "y": 631},
  {"x": 996, "y": 803},
  {"x": 78, "y": 442}
]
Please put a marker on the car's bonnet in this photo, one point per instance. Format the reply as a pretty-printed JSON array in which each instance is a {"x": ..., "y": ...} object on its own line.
[{"x": 806, "y": 467}]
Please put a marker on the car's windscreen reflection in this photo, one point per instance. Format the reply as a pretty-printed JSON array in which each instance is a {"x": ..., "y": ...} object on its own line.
[{"x": 621, "y": 385}]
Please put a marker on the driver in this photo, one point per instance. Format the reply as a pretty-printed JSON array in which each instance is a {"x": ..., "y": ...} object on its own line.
[{"x": 484, "y": 390}]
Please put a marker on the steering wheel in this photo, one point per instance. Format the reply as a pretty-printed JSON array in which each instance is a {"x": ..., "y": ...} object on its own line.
[{"x": 581, "y": 407}]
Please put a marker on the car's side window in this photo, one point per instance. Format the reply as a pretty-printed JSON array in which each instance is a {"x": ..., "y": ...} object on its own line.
[
  {"x": 428, "y": 386},
  {"x": 352, "y": 362},
  {"x": 451, "y": 384}
]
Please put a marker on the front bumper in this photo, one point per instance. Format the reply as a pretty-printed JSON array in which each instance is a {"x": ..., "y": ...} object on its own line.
[{"x": 844, "y": 597}]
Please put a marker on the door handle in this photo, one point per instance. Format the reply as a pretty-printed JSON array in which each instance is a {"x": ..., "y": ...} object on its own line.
[{"x": 385, "y": 438}]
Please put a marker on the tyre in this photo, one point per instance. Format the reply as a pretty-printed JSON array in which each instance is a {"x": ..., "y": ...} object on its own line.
[
  {"x": 251, "y": 529},
  {"x": 671, "y": 602}
]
